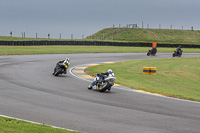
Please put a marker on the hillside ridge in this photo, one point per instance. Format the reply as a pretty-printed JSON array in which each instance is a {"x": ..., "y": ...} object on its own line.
[{"x": 165, "y": 36}]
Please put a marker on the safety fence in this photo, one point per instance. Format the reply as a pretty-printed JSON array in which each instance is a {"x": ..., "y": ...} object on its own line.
[{"x": 92, "y": 43}]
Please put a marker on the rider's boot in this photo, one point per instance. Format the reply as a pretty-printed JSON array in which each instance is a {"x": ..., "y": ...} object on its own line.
[{"x": 65, "y": 71}]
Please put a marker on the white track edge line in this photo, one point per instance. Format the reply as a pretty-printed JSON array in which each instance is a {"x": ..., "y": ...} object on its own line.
[{"x": 37, "y": 123}]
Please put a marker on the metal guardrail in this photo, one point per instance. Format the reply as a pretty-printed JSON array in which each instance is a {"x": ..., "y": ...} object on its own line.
[{"x": 91, "y": 43}]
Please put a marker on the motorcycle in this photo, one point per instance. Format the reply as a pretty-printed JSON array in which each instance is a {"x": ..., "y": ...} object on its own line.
[
  {"x": 60, "y": 69},
  {"x": 152, "y": 52},
  {"x": 175, "y": 53},
  {"x": 102, "y": 83}
]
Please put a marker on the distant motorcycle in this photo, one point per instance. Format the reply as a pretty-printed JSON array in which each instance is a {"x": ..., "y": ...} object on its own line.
[
  {"x": 102, "y": 83},
  {"x": 176, "y": 53},
  {"x": 60, "y": 69},
  {"x": 152, "y": 51}
]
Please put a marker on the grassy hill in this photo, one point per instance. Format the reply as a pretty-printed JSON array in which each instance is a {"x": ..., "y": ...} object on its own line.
[
  {"x": 168, "y": 36},
  {"x": 165, "y": 36}
]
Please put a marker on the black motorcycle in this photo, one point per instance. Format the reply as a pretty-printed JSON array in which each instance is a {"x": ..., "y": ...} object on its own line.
[
  {"x": 152, "y": 51},
  {"x": 60, "y": 69},
  {"x": 176, "y": 53}
]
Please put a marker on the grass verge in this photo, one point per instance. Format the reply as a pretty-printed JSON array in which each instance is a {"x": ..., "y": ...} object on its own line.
[
  {"x": 25, "y": 50},
  {"x": 176, "y": 77},
  {"x": 8, "y": 125}
]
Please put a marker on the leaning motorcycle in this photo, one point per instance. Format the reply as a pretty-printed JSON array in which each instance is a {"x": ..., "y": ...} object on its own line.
[
  {"x": 152, "y": 52},
  {"x": 60, "y": 69},
  {"x": 102, "y": 84},
  {"x": 175, "y": 53}
]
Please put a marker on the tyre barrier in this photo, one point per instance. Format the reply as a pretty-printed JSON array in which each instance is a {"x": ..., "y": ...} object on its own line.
[
  {"x": 149, "y": 70},
  {"x": 93, "y": 43}
]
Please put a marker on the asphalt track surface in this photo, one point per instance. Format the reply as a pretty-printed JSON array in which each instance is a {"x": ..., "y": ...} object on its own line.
[{"x": 29, "y": 91}]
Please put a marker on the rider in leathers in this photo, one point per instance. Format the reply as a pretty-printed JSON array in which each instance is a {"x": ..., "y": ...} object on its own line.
[
  {"x": 154, "y": 49},
  {"x": 178, "y": 50},
  {"x": 102, "y": 76},
  {"x": 65, "y": 62}
]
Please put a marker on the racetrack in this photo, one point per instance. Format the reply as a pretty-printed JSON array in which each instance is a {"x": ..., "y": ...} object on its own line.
[{"x": 29, "y": 91}]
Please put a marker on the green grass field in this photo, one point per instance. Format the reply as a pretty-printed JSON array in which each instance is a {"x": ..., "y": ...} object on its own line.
[
  {"x": 176, "y": 77},
  {"x": 28, "y": 50},
  {"x": 8, "y": 125}
]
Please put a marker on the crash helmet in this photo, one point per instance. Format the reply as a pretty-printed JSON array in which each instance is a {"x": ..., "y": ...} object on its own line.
[
  {"x": 109, "y": 71},
  {"x": 179, "y": 46},
  {"x": 67, "y": 59}
]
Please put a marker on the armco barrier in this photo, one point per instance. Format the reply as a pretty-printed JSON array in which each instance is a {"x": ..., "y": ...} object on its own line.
[{"x": 92, "y": 43}]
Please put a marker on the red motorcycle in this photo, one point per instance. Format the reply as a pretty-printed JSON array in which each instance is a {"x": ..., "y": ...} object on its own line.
[{"x": 152, "y": 51}]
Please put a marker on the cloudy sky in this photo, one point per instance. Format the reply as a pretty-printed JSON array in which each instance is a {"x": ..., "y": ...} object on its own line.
[{"x": 85, "y": 17}]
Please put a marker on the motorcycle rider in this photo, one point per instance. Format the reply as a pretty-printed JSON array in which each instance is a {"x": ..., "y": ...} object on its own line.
[
  {"x": 109, "y": 72},
  {"x": 178, "y": 50},
  {"x": 65, "y": 62},
  {"x": 101, "y": 76},
  {"x": 154, "y": 49}
]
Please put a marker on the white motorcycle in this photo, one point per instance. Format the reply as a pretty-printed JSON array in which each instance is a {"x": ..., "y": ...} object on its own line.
[{"x": 102, "y": 82}]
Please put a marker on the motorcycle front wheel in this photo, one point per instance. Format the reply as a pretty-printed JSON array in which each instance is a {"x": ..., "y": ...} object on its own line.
[
  {"x": 57, "y": 72},
  {"x": 109, "y": 88},
  {"x": 90, "y": 87},
  {"x": 104, "y": 87}
]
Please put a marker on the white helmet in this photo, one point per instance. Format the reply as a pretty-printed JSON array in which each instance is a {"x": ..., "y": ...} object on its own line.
[
  {"x": 109, "y": 71},
  {"x": 67, "y": 59}
]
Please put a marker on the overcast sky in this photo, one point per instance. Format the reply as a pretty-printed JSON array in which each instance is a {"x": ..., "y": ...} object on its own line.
[{"x": 86, "y": 17}]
